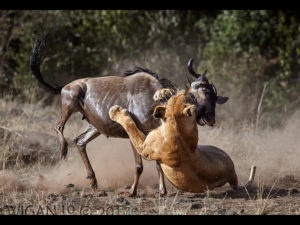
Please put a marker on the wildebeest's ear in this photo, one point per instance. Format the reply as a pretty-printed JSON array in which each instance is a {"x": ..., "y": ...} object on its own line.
[
  {"x": 221, "y": 99},
  {"x": 159, "y": 111}
]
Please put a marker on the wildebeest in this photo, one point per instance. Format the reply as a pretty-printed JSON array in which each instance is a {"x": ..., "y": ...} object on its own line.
[{"x": 94, "y": 96}]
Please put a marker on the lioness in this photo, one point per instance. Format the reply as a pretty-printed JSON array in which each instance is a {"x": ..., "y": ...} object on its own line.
[{"x": 188, "y": 166}]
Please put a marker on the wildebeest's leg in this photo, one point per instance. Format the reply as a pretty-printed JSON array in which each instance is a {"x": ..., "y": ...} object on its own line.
[
  {"x": 162, "y": 95},
  {"x": 162, "y": 185},
  {"x": 81, "y": 142},
  {"x": 65, "y": 115},
  {"x": 71, "y": 97},
  {"x": 138, "y": 171}
]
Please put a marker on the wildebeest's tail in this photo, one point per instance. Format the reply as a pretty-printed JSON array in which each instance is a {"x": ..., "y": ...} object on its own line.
[{"x": 35, "y": 65}]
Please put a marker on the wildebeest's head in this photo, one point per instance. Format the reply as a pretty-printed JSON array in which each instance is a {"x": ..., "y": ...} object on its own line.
[{"x": 204, "y": 96}]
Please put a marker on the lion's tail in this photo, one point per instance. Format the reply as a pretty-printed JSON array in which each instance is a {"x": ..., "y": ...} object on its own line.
[{"x": 250, "y": 180}]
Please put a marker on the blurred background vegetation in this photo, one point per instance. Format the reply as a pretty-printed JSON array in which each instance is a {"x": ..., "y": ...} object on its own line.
[{"x": 252, "y": 56}]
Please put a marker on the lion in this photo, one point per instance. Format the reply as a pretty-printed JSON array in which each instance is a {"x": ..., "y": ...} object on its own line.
[{"x": 188, "y": 166}]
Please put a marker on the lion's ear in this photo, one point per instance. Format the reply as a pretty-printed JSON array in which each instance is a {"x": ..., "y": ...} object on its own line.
[{"x": 159, "y": 111}]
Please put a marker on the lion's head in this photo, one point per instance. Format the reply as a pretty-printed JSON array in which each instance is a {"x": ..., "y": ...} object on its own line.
[{"x": 177, "y": 108}]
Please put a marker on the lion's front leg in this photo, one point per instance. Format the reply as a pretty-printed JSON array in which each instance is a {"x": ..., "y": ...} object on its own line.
[
  {"x": 137, "y": 137},
  {"x": 122, "y": 116}
]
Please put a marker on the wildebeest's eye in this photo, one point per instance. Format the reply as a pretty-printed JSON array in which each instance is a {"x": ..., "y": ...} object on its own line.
[{"x": 193, "y": 98}]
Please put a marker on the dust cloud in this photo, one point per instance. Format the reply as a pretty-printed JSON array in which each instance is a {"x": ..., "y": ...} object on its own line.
[
  {"x": 112, "y": 160},
  {"x": 9, "y": 181},
  {"x": 275, "y": 152}
]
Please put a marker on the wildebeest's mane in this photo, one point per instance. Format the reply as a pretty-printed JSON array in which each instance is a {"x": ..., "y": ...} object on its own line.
[
  {"x": 139, "y": 70},
  {"x": 164, "y": 82}
]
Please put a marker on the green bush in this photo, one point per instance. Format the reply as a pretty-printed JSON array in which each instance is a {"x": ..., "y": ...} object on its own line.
[{"x": 244, "y": 49}]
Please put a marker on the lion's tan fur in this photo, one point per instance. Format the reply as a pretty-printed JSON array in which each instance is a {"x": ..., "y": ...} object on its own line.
[{"x": 188, "y": 166}]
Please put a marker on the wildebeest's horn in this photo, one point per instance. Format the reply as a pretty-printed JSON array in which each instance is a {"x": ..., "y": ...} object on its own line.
[
  {"x": 214, "y": 88},
  {"x": 191, "y": 70}
]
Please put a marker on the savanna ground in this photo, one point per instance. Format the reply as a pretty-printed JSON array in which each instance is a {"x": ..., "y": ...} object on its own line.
[{"x": 33, "y": 179}]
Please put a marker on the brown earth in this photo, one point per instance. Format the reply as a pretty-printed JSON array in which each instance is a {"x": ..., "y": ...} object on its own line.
[{"x": 223, "y": 201}]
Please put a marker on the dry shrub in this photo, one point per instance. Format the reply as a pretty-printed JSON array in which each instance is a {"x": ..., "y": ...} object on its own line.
[
  {"x": 275, "y": 152},
  {"x": 9, "y": 181}
]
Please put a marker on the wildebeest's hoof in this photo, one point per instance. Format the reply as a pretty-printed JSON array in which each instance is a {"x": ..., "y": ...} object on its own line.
[
  {"x": 94, "y": 184},
  {"x": 130, "y": 193},
  {"x": 163, "y": 192}
]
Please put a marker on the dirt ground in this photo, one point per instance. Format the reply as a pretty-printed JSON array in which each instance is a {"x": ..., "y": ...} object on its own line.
[
  {"x": 224, "y": 201},
  {"x": 35, "y": 181}
]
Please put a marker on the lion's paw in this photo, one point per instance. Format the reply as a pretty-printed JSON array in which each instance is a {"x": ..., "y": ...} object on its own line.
[
  {"x": 163, "y": 94},
  {"x": 116, "y": 111}
]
